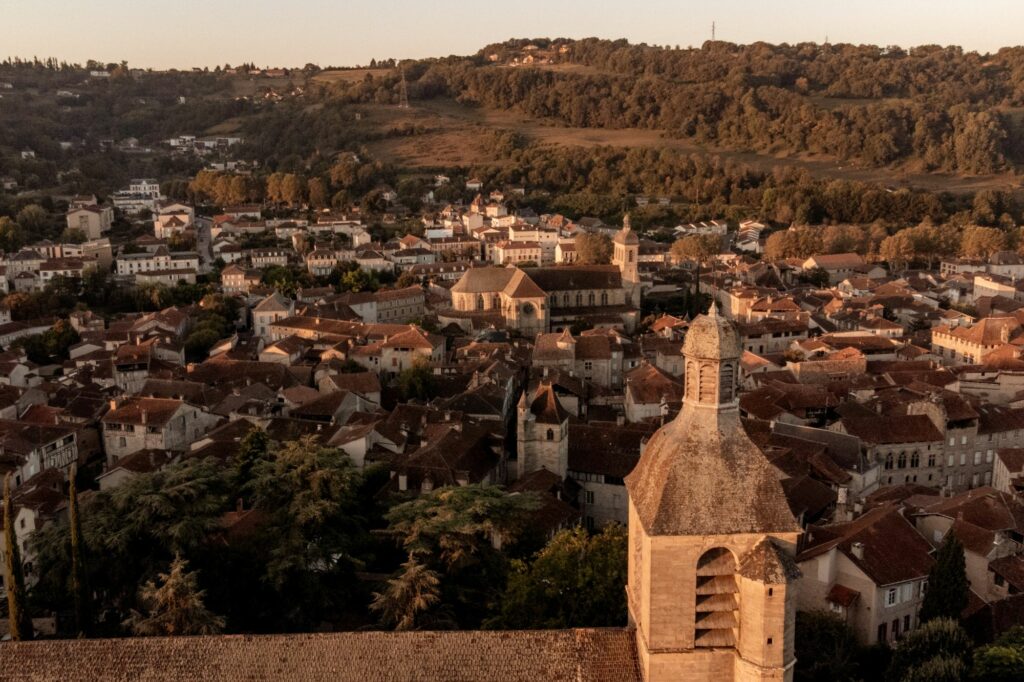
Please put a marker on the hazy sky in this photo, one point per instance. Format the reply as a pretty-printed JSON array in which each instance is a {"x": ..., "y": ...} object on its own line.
[{"x": 184, "y": 33}]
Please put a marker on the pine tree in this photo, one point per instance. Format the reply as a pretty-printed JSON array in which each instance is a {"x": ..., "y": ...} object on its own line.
[
  {"x": 18, "y": 618},
  {"x": 408, "y": 596},
  {"x": 947, "y": 582},
  {"x": 175, "y": 607},
  {"x": 79, "y": 587}
]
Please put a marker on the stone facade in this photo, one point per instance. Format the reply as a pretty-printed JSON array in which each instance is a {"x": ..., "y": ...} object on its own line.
[{"x": 711, "y": 538}]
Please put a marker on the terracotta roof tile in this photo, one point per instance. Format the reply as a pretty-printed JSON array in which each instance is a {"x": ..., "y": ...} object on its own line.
[{"x": 457, "y": 656}]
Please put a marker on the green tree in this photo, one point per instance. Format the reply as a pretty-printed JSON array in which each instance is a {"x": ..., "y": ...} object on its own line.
[
  {"x": 317, "y": 191},
  {"x": 175, "y": 607},
  {"x": 79, "y": 584},
  {"x": 453, "y": 531},
  {"x": 937, "y": 651},
  {"x": 947, "y": 594},
  {"x": 252, "y": 449},
  {"x": 274, "y": 188},
  {"x": 12, "y": 237},
  {"x": 417, "y": 382},
  {"x": 1003, "y": 660},
  {"x": 292, "y": 190},
  {"x": 981, "y": 242},
  {"x": 826, "y": 648},
  {"x": 576, "y": 580},
  {"x": 407, "y": 279},
  {"x": 18, "y": 618},
  {"x": 308, "y": 493},
  {"x": 357, "y": 280},
  {"x": 593, "y": 248},
  {"x": 898, "y": 250},
  {"x": 33, "y": 219},
  {"x": 819, "y": 277},
  {"x": 131, "y": 531},
  {"x": 412, "y": 592},
  {"x": 696, "y": 247},
  {"x": 199, "y": 342},
  {"x": 73, "y": 235}
]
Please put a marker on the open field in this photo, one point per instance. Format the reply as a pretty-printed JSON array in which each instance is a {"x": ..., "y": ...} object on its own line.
[
  {"x": 563, "y": 67},
  {"x": 348, "y": 75},
  {"x": 457, "y": 134}
]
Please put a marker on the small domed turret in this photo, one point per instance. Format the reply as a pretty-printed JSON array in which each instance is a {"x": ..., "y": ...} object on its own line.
[
  {"x": 626, "y": 235},
  {"x": 712, "y": 337}
]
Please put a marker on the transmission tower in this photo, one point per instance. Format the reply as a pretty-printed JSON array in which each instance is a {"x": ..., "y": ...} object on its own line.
[{"x": 403, "y": 92}]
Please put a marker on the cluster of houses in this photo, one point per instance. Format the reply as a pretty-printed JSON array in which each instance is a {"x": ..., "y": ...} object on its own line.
[{"x": 890, "y": 405}]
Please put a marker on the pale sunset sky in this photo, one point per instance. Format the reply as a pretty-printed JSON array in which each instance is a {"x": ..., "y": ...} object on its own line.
[{"x": 186, "y": 33}]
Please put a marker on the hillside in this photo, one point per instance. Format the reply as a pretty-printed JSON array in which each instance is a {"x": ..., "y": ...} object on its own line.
[{"x": 932, "y": 118}]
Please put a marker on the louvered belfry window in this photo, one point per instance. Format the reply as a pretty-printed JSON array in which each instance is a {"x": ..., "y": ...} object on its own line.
[{"x": 717, "y": 617}]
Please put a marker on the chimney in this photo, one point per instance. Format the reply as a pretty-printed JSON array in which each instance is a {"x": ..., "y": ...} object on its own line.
[
  {"x": 143, "y": 416},
  {"x": 620, "y": 420},
  {"x": 842, "y": 514},
  {"x": 113, "y": 403},
  {"x": 857, "y": 549},
  {"x": 239, "y": 505}
]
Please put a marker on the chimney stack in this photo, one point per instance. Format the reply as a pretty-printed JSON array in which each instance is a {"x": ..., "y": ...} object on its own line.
[{"x": 857, "y": 549}]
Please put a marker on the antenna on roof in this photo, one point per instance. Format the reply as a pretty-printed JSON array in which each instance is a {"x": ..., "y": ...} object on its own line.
[
  {"x": 712, "y": 31},
  {"x": 403, "y": 91}
]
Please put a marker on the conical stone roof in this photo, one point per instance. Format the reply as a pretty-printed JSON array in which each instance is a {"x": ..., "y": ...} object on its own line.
[{"x": 700, "y": 474}]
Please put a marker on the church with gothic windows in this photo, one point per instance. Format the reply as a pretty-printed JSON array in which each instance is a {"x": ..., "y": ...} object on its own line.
[{"x": 542, "y": 299}]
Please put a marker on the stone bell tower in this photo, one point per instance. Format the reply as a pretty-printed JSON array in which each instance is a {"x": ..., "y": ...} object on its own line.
[
  {"x": 711, "y": 574},
  {"x": 626, "y": 255}
]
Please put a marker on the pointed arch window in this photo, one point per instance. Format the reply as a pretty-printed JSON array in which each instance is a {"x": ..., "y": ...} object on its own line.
[
  {"x": 604, "y": 298},
  {"x": 716, "y": 617},
  {"x": 901, "y": 461},
  {"x": 551, "y": 434}
]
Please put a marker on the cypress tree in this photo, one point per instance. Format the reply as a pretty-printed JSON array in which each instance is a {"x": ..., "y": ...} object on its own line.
[
  {"x": 947, "y": 582},
  {"x": 18, "y": 618},
  {"x": 78, "y": 580}
]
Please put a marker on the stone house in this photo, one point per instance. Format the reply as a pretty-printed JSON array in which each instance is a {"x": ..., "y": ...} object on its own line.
[
  {"x": 152, "y": 424},
  {"x": 962, "y": 344},
  {"x": 596, "y": 358},
  {"x": 872, "y": 572},
  {"x": 650, "y": 393},
  {"x": 271, "y": 309},
  {"x": 92, "y": 220},
  {"x": 237, "y": 280},
  {"x": 34, "y": 448}
]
